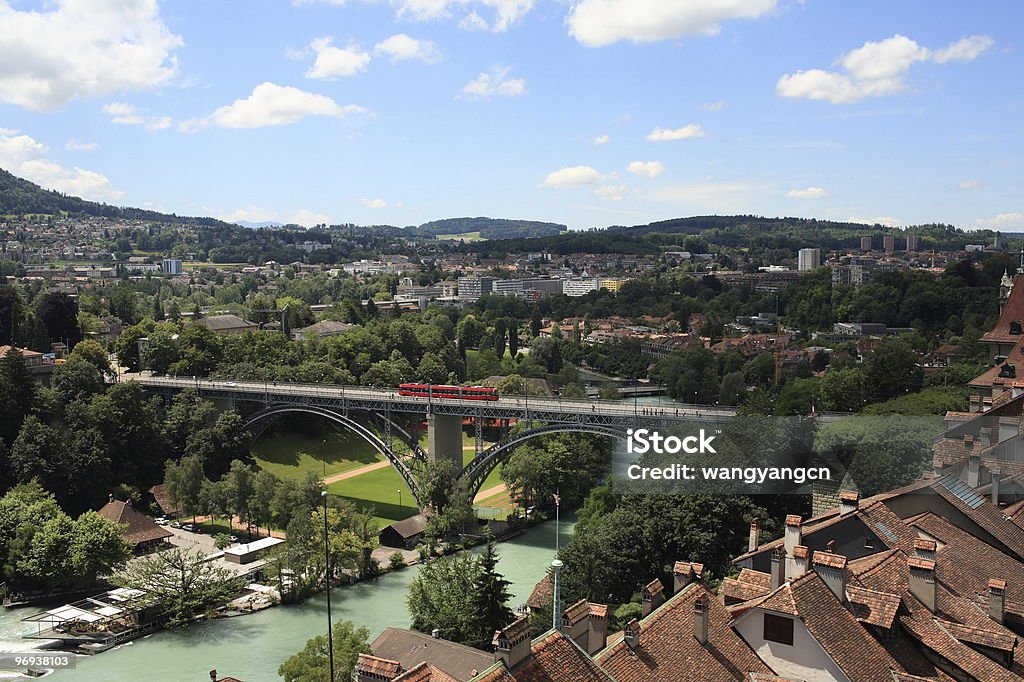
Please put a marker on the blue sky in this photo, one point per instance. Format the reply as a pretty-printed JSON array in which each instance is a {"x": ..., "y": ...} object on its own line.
[{"x": 590, "y": 113}]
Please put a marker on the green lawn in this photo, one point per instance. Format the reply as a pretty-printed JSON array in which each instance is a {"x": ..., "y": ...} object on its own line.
[
  {"x": 292, "y": 455},
  {"x": 465, "y": 236}
]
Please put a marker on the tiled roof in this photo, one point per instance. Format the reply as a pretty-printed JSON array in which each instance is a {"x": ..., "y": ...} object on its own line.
[
  {"x": 542, "y": 595},
  {"x": 555, "y": 658},
  {"x": 855, "y": 651},
  {"x": 140, "y": 529},
  {"x": 577, "y": 611},
  {"x": 378, "y": 668},
  {"x": 781, "y": 601},
  {"x": 872, "y": 607},
  {"x": 424, "y": 672},
  {"x": 669, "y": 652},
  {"x": 411, "y": 648},
  {"x": 1013, "y": 311},
  {"x": 599, "y": 610},
  {"x": 986, "y": 515}
]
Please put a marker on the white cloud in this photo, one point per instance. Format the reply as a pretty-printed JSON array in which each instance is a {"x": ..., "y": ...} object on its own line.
[
  {"x": 808, "y": 193},
  {"x": 1004, "y": 221},
  {"x": 126, "y": 114},
  {"x": 401, "y": 48},
  {"x": 602, "y": 139},
  {"x": 875, "y": 69},
  {"x": 26, "y": 158},
  {"x": 573, "y": 176},
  {"x": 74, "y": 49},
  {"x": 971, "y": 184},
  {"x": 595, "y": 23},
  {"x": 9, "y": 131},
  {"x": 610, "y": 192},
  {"x": 686, "y": 132},
  {"x": 885, "y": 220},
  {"x": 713, "y": 106},
  {"x": 334, "y": 62},
  {"x": 373, "y": 203},
  {"x": 473, "y": 22},
  {"x": 74, "y": 145},
  {"x": 309, "y": 218},
  {"x": 506, "y": 12},
  {"x": 252, "y": 214},
  {"x": 493, "y": 84},
  {"x": 272, "y": 105},
  {"x": 650, "y": 169}
]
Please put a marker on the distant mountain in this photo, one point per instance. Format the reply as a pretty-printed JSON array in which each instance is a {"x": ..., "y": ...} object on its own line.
[
  {"x": 256, "y": 226},
  {"x": 18, "y": 195},
  {"x": 491, "y": 228}
]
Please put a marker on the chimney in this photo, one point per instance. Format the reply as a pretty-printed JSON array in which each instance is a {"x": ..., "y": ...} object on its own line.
[
  {"x": 755, "y": 535},
  {"x": 849, "y": 500},
  {"x": 996, "y": 599},
  {"x": 778, "y": 577},
  {"x": 684, "y": 573},
  {"x": 973, "y": 471},
  {"x": 631, "y": 635},
  {"x": 597, "y": 637},
  {"x": 921, "y": 581},
  {"x": 996, "y": 475},
  {"x": 799, "y": 561},
  {"x": 213, "y": 673},
  {"x": 792, "y": 538},
  {"x": 512, "y": 643},
  {"x": 653, "y": 597},
  {"x": 576, "y": 622},
  {"x": 831, "y": 568},
  {"x": 435, "y": 633},
  {"x": 110, "y": 498},
  {"x": 924, "y": 549},
  {"x": 700, "y": 619}
]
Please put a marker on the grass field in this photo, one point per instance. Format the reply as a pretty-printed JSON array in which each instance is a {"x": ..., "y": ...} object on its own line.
[
  {"x": 465, "y": 236},
  {"x": 292, "y": 455}
]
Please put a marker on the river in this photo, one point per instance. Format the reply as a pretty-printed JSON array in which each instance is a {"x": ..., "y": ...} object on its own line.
[{"x": 251, "y": 647}]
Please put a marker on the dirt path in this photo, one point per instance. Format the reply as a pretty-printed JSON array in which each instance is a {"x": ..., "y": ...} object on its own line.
[
  {"x": 490, "y": 492},
  {"x": 334, "y": 478}
]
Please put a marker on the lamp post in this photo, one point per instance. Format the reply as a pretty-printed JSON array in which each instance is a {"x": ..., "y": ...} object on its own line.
[
  {"x": 400, "y": 508},
  {"x": 327, "y": 579}
]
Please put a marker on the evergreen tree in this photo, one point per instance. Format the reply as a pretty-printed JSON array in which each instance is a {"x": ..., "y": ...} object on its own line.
[
  {"x": 499, "y": 338},
  {"x": 17, "y": 394},
  {"x": 535, "y": 321},
  {"x": 490, "y": 597},
  {"x": 513, "y": 337}
]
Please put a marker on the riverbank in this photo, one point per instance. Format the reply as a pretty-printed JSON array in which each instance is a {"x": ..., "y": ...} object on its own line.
[{"x": 252, "y": 647}]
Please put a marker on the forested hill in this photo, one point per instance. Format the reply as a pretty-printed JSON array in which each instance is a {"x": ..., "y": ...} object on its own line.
[
  {"x": 18, "y": 196},
  {"x": 698, "y": 232},
  {"x": 492, "y": 228}
]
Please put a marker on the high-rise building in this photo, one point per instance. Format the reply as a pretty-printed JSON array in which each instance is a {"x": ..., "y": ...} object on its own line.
[
  {"x": 809, "y": 259},
  {"x": 889, "y": 243},
  {"x": 172, "y": 266},
  {"x": 472, "y": 288},
  {"x": 865, "y": 243},
  {"x": 913, "y": 242}
]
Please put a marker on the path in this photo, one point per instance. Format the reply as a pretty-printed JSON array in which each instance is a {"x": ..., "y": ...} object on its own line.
[
  {"x": 334, "y": 478},
  {"x": 490, "y": 492}
]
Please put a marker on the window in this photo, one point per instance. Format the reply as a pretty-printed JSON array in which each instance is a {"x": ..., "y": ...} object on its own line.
[
  {"x": 778, "y": 629},
  {"x": 1015, "y": 328}
]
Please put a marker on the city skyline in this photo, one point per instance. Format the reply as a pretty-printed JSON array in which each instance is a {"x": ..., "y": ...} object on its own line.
[{"x": 592, "y": 114}]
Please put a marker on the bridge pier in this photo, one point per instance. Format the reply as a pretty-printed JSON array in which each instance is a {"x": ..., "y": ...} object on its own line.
[{"x": 444, "y": 438}]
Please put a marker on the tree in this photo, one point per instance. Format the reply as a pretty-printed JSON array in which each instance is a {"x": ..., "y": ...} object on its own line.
[
  {"x": 93, "y": 353},
  {"x": 535, "y": 322},
  {"x": 490, "y": 598},
  {"x": 17, "y": 394},
  {"x": 183, "y": 482},
  {"x": 183, "y": 583},
  {"x": 548, "y": 352},
  {"x": 470, "y": 330},
  {"x": 122, "y": 303},
  {"x": 96, "y": 547},
  {"x": 161, "y": 349},
  {"x": 12, "y": 313},
  {"x": 843, "y": 390},
  {"x": 239, "y": 484},
  {"x": 609, "y": 392},
  {"x": 59, "y": 314},
  {"x": 76, "y": 379},
  {"x": 513, "y": 337},
  {"x": 437, "y": 597},
  {"x": 892, "y": 370},
  {"x": 499, "y": 338},
  {"x": 311, "y": 664},
  {"x": 263, "y": 490}
]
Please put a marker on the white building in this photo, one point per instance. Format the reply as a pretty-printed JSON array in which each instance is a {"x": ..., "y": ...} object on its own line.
[
  {"x": 172, "y": 266},
  {"x": 579, "y": 287},
  {"x": 809, "y": 259}
]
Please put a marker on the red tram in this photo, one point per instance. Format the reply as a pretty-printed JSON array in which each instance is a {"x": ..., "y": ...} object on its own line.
[{"x": 439, "y": 392}]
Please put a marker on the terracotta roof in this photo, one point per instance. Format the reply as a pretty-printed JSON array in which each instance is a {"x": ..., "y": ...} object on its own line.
[
  {"x": 985, "y": 514},
  {"x": 599, "y": 610},
  {"x": 159, "y": 494},
  {"x": 829, "y": 560},
  {"x": 542, "y": 595},
  {"x": 576, "y": 612},
  {"x": 140, "y": 529},
  {"x": 781, "y": 601},
  {"x": 688, "y": 568},
  {"x": 424, "y": 672},
  {"x": 872, "y": 607},
  {"x": 25, "y": 352},
  {"x": 669, "y": 652},
  {"x": 1013, "y": 311},
  {"x": 377, "y": 668},
  {"x": 555, "y": 658},
  {"x": 654, "y": 587},
  {"x": 411, "y": 648}
]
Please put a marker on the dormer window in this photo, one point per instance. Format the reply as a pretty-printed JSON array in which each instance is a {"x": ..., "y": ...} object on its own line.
[
  {"x": 1008, "y": 371},
  {"x": 1015, "y": 328}
]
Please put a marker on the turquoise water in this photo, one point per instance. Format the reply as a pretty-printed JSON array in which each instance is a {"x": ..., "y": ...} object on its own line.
[{"x": 251, "y": 647}]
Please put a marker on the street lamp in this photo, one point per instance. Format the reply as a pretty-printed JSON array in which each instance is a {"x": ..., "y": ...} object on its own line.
[
  {"x": 327, "y": 579},
  {"x": 400, "y": 508}
]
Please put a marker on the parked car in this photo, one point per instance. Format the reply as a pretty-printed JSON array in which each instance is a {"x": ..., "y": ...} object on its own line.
[
  {"x": 188, "y": 526},
  {"x": 162, "y": 520},
  {"x": 175, "y": 524}
]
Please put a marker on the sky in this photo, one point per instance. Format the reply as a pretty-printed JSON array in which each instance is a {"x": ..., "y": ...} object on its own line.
[{"x": 586, "y": 112}]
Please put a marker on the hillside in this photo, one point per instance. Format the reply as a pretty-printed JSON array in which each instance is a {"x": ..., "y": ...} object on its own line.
[
  {"x": 492, "y": 228},
  {"x": 18, "y": 195}
]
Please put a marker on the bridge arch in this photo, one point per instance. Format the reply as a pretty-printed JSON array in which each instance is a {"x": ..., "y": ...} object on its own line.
[
  {"x": 258, "y": 421},
  {"x": 480, "y": 468}
]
